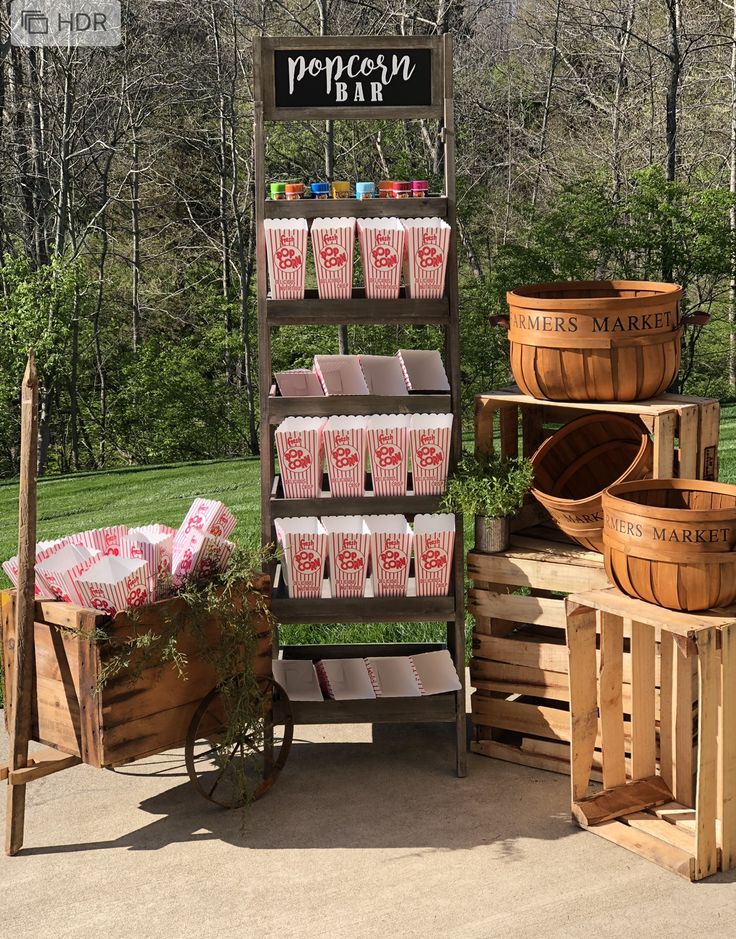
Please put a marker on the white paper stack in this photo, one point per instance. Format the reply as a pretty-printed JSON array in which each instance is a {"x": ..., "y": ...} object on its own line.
[{"x": 299, "y": 383}]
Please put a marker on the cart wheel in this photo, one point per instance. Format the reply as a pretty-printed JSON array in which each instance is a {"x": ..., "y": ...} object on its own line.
[{"x": 241, "y": 764}]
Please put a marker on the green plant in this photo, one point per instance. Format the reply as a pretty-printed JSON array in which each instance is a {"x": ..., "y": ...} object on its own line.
[{"x": 491, "y": 486}]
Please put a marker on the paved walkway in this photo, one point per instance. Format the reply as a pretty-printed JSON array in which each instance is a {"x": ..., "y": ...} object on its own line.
[{"x": 354, "y": 841}]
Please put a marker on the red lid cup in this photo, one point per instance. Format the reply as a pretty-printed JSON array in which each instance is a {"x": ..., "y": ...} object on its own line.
[
  {"x": 401, "y": 189},
  {"x": 419, "y": 187}
]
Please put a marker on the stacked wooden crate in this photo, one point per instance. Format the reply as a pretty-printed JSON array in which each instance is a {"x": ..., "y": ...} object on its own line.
[{"x": 519, "y": 667}]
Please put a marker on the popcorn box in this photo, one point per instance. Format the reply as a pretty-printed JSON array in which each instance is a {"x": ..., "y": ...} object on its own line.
[
  {"x": 382, "y": 242},
  {"x": 300, "y": 447},
  {"x": 156, "y": 549},
  {"x": 344, "y": 439},
  {"x": 388, "y": 449},
  {"x": 430, "y": 441},
  {"x": 42, "y": 590},
  {"x": 115, "y": 583},
  {"x": 333, "y": 242},
  {"x": 202, "y": 556},
  {"x": 340, "y": 374},
  {"x": 62, "y": 565},
  {"x": 286, "y": 246},
  {"x": 298, "y": 383},
  {"x": 391, "y": 540},
  {"x": 348, "y": 552},
  {"x": 304, "y": 548},
  {"x": 206, "y": 517},
  {"x": 104, "y": 540},
  {"x": 423, "y": 370},
  {"x": 434, "y": 542},
  {"x": 383, "y": 374},
  {"x": 425, "y": 260}
]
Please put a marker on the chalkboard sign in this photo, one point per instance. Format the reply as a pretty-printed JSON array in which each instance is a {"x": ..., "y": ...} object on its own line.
[{"x": 353, "y": 78}]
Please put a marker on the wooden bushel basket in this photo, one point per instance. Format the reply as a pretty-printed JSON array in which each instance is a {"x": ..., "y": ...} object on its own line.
[
  {"x": 671, "y": 541},
  {"x": 130, "y": 716},
  {"x": 613, "y": 340},
  {"x": 574, "y": 466}
]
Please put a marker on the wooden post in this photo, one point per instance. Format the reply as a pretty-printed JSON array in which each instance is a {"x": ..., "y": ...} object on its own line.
[{"x": 21, "y": 704}]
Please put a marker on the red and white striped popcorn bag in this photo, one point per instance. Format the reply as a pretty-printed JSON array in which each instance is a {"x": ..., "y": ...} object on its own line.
[
  {"x": 430, "y": 441},
  {"x": 340, "y": 374},
  {"x": 333, "y": 244},
  {"x": 348, "y": 553},
  {"x": 425, "y": 260},
  {"x": 61, "y": 566},
  {"x": 104, "y": 540},
  {"x": 156, "y": 549},
  {"x": 300, "y": 448},
  {"x": 286, "y": 246},
  {"x": 115, "y": 583},
  {"x": 382, "y": 242},
  {"x": 206, "y": 517},
  {"x": 391, "y": 545},
  {"x": 388, "y": 450},
  {"x": 344, "y": 439},
  {"x": 434, "y": 543},
  {"x": 303, "y": 544},
  {"x": 200, "y": 557},
  {"x": 42, "y": 590}
]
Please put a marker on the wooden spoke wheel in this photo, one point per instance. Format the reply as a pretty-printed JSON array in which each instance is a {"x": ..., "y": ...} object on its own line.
[{"x": 232, "y": 760}]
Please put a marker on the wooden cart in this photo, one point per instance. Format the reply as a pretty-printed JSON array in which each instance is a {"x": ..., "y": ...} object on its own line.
[{"x": 80, "y": 719}]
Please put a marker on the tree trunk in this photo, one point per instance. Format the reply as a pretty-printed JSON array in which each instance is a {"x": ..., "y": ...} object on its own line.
[
  {"x": 617, "y": 99},
  {"x": 135, "y": 219},
  {"x": 547, "y": 107}
]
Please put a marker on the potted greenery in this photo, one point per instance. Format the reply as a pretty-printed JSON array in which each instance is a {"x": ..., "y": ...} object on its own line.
[{"x": 492, "y": 488}]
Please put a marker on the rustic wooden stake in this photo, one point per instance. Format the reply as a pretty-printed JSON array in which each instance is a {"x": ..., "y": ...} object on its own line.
[{"x": 22, "y": 687}]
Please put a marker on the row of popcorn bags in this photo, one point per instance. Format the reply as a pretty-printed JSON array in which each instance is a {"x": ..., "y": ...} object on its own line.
[
  {"x": 356, "y": 547},
  {"x": 387, "y": 440},
  {"x": 419, "y": 246}
]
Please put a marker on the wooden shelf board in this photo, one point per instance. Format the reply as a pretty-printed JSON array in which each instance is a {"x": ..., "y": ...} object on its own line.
[
  {"x": 314, "y": 311},
  {"x": 327, "y": 405},
  {"x": 431, "y": 207},
  {"x": 367, "y": 504},
  {"x": 422, "y": 709},
  {"x": 358, "y": 650}
]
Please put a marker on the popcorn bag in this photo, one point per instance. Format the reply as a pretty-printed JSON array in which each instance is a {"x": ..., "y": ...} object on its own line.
[
  {"x": 61, "y": 565},
  {"x": 300, "y": 447},
  {"x": 434, "y": 541},
  {"x": 304, "y": 547},
  {"x": 348, "y": 551},
  {"x": 156, "y": 549},
  {"x": 286, "y": 246},
  {"x": 333, "y": 242},
  {"x": 115, "y": 583},
  {"x": 202, "y": 556},
  {"x": 388, "y": 449},
  {"x": 344, "y": 439},
  {"x": 206, "y": 517},
  {"x": 104, "y": 540},
  {"x": 391, "y": 543},
  {"x": 383, "y": 375},
  {"x": 382, "y": 242},
  {"x": 425, "y": 260},
  {"x": 42, "y": 590},
  {"x": 423, "y": 370},
  {"x": 340, "y": 374},
  {"x": 430, "y": 441}
]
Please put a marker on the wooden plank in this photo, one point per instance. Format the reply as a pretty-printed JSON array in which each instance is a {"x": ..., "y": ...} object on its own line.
[
  {"x": 687, "y": 434},
  {"x": 509, "y": 431},
  {"x": 511, "y": 754},
  {"x": 664, "y": 445},
  {"x": 40, "y": 765},
  {"x": 360, "y": 610},
  {"x": 427, "y": 709},
  {"x": 706, "y": 856},
  {"x": 611, "y": 600},
  {"x": 611, "y": 699},
  {"x": 515, "y": 679},
  {"x": 24, "y": 662},
  {"x": 683, "y": 693},
  {"x": 356, "y": 311},
  {"x": 279, "y": 408},
  {"x": 543, "y": 574},
  {"x": 643, "y": 726},
  {"x": 581, "y": 638},
  {"x": 708, "y": 434},
  {"x": 520, "y": 717},
  {"x": 538, "y": 549},
  {"x": 609, "y": 804},
  {"x": 666, "y": 718},
  {"x": 665, "y": 831},
  {"x": 431, "y": 207},
  {"x": 727, "y": 742},
  {"x": 483, "y": 427},
  {"x": 648, "y": 847},
  {"x": 533, "y": 610},
  {"x": 649, "y": 407},
  {"x": 543, "y": 655}
]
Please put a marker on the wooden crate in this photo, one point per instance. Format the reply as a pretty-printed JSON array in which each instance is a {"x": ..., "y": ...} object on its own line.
[
  {"x": 656, "y": 814},
  {"x": 519, "y": 667},
  {"x": 130, "y": 716},
  {"x": 685, "y": 429}
]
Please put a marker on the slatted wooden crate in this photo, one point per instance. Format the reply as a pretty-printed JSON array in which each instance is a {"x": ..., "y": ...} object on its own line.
[
  {"x": 657, "y": 814},
  {"x": 685, "y": 429}
]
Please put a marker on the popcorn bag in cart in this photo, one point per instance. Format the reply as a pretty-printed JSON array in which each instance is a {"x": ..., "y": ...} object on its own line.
[
  {"x": 104, "y": 540},
  {"x": 425, "y": 260},
  {"x": 303, "y": 544},
  {"x": 391, "y": 544},
  {"x": 156, "y": 549},
  {"x": 434, "y": 542},
  {"x": 382, "y": 242},
  {"x": 388, "y": 450},
  {"x": 115, "y": 583},
  {"x": 286, "y": 246},
  {"x": 61, "y": 565},
  {"x": 430, "y": 441},
  {"x": 300, "y": 447},
  {"x": 206, "y": 517},
  {"x": 348, "y": 552},
  {"x": 333, "y": 244},
  {"x": 345, "y": 450}
]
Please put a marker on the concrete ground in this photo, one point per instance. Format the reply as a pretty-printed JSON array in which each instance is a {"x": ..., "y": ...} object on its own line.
[{"x": 355, "y": 840}]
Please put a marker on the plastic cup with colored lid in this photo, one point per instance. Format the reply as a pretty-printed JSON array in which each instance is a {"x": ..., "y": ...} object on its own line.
[
  {"x": 365, "y": 190},
  {"x": 320, "y": 190},
  {"x": 401, "y": 190},
  {"x": 386, "y": 189},
  {"x": 278, "y": 190},
  {"x": 419, "y": 188},
  {"x": 341, "y": 190},
  {"x": 294, "y": 190}
]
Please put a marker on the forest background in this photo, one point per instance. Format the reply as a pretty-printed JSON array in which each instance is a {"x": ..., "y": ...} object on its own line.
[{"x": 595, "y": 139}]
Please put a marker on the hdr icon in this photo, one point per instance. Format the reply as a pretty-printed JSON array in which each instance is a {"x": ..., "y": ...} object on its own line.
[{"x": 65, "y": 23}]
